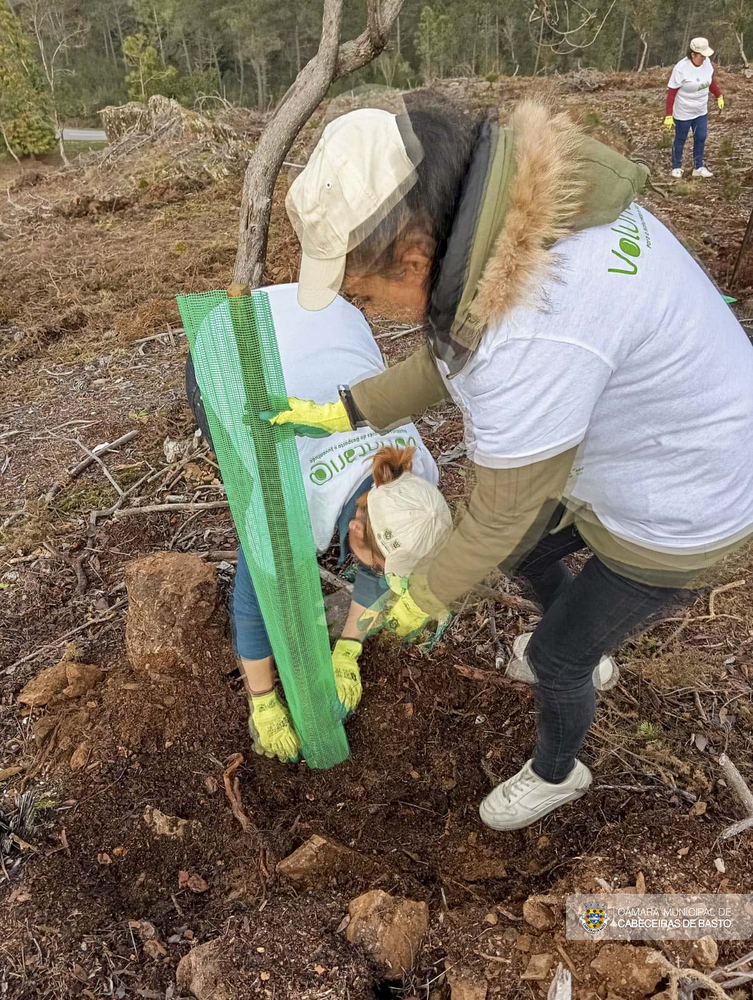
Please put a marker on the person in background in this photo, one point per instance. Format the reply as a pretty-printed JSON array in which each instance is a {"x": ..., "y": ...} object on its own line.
[
  {"x": 368, "y": 486},
  {"x": 687, "y": 104}
]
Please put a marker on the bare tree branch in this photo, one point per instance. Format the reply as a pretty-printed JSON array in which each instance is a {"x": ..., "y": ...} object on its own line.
[
  {"x": 331, "y": 61},
  {"x": 565, "y": 41}
]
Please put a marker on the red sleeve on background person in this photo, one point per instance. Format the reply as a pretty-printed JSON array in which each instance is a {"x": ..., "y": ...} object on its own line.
[
  {"x": 714, "y": 88},
  {"x": 671, "y": 95}
]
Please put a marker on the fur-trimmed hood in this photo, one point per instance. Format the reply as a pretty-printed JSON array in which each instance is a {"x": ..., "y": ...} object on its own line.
[{"x": 526, "y": 187}]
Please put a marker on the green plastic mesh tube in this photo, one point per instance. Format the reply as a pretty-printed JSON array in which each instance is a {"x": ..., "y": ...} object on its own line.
[{"x": 237, "y": 362}]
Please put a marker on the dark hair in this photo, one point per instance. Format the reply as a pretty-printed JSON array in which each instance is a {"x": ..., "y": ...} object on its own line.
[{"x": 428, "y": 208}]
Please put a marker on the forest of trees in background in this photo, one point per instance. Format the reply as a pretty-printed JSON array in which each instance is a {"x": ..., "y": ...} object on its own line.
[{"x": 90, "y": 53}]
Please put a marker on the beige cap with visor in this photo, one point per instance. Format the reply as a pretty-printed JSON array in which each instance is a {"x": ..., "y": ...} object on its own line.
[
  {"x": 357, "y": 173},
  {"x": 701, "y": 45},
  {"x": 410, "y": 519}
]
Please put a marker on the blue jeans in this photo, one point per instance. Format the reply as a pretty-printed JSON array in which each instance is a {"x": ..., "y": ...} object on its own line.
[
  {"x": 585, "y": 617},
  {"x": 250, "y": 639},
  {"x": 700, "y": 128}
]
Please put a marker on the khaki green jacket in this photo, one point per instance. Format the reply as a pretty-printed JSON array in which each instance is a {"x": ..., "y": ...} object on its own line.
[{"x": 528, "y": 186}]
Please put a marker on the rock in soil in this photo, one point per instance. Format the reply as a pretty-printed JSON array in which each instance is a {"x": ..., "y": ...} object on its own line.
[
  {"x": 627, "y": 969},
  {"x": 389, "y": 928},
  {"x": 63, "y": 680},
  {"x": 171, "y": 599},
  {"x": 81, "y": 678},
  {"x": 320, "y": 860},
  {"x": 163, "y": 825},
  {"x": 538, "y": 967},
  {"x": 80, "y": 756},
  {"x": 538, "y": 915},
  {"x": 43, "y": 729},
  {"x": 701, "y": 954},
  {"x": 48, "y": 684},
  {"x": 464, "y": 985},
  {"x": 200, "y": 972}
]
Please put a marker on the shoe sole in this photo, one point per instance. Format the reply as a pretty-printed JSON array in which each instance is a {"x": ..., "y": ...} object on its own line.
[
  {"x": 517, "y": 671},
  {"x": 488, "y": 820}
]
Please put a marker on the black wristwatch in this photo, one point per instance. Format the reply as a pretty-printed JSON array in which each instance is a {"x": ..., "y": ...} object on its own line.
[{"x": 354, "y": 415}]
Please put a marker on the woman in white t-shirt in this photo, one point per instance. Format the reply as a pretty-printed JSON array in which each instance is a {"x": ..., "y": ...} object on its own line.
[
  {"x": 687, "y": 104},
  {"x": 604, "y": 405}
]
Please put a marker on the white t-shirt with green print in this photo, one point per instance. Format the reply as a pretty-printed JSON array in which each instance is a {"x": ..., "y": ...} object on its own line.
[
  {"x": 692, "y": 84},
  {"x": 630, "y": 353},
  {"x": 320, "y": 351}
]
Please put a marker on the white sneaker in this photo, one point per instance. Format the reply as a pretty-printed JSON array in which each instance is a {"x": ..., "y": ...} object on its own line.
[
  {"x": 677, "y": 172},
  {"x": 526, "y": 798},
  {"x": 702, "y": 172},
  {"x": 605, "y": 676}
]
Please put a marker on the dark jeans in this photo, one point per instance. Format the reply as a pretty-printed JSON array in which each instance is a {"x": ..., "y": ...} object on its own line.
[
  {"x": 700, "y": 128},
  {"x": 585, "y": 617}
]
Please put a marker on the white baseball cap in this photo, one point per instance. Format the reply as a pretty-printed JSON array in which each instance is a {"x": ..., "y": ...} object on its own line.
[
  {"x": 701, "y": 45},
  {"x": 410, "y": 519},
  {"x": 359, "y": 170}
]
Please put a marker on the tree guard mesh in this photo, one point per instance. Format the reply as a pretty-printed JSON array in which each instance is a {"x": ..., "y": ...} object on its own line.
[{"x": 237, "y": 362}]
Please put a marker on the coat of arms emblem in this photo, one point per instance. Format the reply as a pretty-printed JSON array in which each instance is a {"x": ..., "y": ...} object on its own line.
[{"x": 594, "y": 918}]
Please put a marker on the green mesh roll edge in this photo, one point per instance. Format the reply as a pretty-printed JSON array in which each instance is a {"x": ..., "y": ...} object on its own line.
[{"x": 237, "y": 362}]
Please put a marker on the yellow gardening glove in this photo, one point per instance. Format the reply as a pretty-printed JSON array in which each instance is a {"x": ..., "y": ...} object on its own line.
[
  {"x": 272, "y": 728},
  {"x": 372, "y": 619},
  {"x": 669, "y": 122},
  {"x": 310, "y": 419},
  {"x": 720, "y": 102},
  {"x": 347, "y": 675},
  {"x": 406, "y": 619}
]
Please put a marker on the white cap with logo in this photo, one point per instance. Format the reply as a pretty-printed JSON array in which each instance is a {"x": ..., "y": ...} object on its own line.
[
  {"x": 701, "y": 45},
  {"x": 410, "y": 519},
  {"x": 358, "y": 171}
]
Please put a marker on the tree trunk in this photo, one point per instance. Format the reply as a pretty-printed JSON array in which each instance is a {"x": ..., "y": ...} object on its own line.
[
  {"x": 622, "y": 41},
  {"x": 331, "y": 61},
  {"x": 256, "y": 63},
  {"x": 159, "y": 35},
  {"x": 743, "y": 251},
  {"x": 185, "y": 52},
  {"x": 7, "y": 144},
  {"x": 509, "y": 29},
  {"x": 644, "y": 53},
  {"x": 740, "y": 40},
  {"x": 120, "y": 30},
  {"x": 538, "y": 48},
  {"x": 61, "y": 144},
  {"x": 241, "y": 76},
  {"x": 686, "y": 32},
  {"x": 297, "y": 49}
]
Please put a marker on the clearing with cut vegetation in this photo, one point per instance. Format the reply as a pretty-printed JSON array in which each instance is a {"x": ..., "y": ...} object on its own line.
[{"x": 132, "y": 838}]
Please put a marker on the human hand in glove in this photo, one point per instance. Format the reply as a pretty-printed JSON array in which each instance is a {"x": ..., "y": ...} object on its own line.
[
  {"x": 720, "y": 102},
  {"x": 347, "y": 674},
  {"x": 669, "y": 122},
  {"x": 310, "y": 419},
  {"x": 404, "y": 617},
  {"x": 272, "y": 729}
]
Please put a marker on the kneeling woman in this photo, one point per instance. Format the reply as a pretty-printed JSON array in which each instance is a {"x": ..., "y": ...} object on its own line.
[{"x": 378, "y": 490}]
